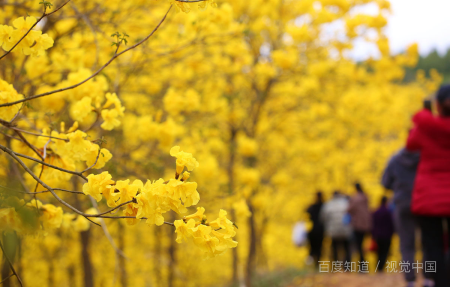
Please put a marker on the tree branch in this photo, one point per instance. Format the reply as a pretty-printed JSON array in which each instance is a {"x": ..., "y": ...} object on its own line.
[
  {"x": 11, "y": 275},
  {"x": 52, "y": 191},
  {"x": 7, "y": 150},
  {"x": 98, "y": 155},
  {"x": 105, "y": 228},
  {"x": 29, "y": 144},
  {"x": 116, "y": 55},
  {"x": 45, "y": 14}
]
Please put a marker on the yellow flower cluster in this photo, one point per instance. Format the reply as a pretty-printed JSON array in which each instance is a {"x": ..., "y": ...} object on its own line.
[
  {"x": 110, "y": 116},
  {"x": 212, "y": 238},
  {"x": 34, "y": 44},
  {"x": 79, "y": 148},
  {"x": 184, "y": 159},
  {"x": 152, "y": 200},
  {"x": 8, "y": 94}
]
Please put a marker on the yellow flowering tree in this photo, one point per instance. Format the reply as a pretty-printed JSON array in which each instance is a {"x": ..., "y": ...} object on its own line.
[{"x": 42, "y": 154}]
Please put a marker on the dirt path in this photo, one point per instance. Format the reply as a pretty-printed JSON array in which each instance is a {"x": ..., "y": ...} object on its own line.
[{"x": 350, "y": 280}]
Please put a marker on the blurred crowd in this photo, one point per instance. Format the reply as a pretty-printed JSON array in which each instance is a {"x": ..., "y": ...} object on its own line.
[{"x": 419, "y": 176}]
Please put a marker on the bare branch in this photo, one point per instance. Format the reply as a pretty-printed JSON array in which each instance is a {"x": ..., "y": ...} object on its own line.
[
  {"x": 111, "y": 210},
  {"x": 38, "y": 135},
  {"x": 7, "y": 150},
  {"x": 36, "y": 178},
  {"x": 6, "y": 278},
  {"x": 29, "y": 144},
  {"x": 106, "y": 231},
  {"x": 59, "y": 189},
  {"x": 116, "y": 55}
]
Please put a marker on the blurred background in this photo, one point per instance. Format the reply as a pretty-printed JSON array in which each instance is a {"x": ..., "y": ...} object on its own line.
[{"x": 276, "y": 99}]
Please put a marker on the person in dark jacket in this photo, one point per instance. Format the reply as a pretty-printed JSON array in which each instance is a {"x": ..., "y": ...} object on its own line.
[
  {"x": 382, "y": 231},
  {"x": 399, "y": 176},
  {"x": 431, "y": 194},
  {"x": 361, "y": 219},
  {"x": 315, "y": 236}
]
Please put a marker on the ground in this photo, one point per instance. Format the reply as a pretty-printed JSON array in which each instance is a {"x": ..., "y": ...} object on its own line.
[{"x": 350, "y": 280}]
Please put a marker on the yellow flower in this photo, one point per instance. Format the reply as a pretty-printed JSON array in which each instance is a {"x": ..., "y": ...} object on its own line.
[
  {"x": 51, "y": 217},
  {"x": 126, "y": 191},
  {"x": 81, "y": 224},
  {"x": 97, "y": 184},
  {"x": 9, "y": 220},
  {"x": 184, "y": 159},
  {"x": 186, "y": 191},
  {"x": 223, "y": 223},
  {"x": 8, "y": 94},
  {"x": 204, "y": 240},
  {"x": 81, "y": 109},
  {"x": 110, "y": 119},
  {"x": 104, "y": 156},
  {"x": 112, "y": 99},
  {"x": 183, "y": 230},
  {"x": 131, "y": 210},
  {"x": 198, "y": 216},
  {"x": 6, "y": 39},
  {"x": 78, "y": 145},
  {"x": 42, "y": 43},
  {"x": 225, "y": 241}
]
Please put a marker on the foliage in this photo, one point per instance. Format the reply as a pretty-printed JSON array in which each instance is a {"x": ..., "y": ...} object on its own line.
[{"x": 430, "y": 62}]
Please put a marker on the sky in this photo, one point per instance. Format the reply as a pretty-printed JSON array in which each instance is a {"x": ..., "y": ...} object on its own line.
[{"x": 425, "y": 22}]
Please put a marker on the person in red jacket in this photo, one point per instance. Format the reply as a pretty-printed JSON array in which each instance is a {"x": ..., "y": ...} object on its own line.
[{"x": 431, "y": 194}]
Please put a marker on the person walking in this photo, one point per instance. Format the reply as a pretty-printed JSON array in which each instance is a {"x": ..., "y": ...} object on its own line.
[
  {"x": 315, "y": 236},
  {"x": 431, "y": 194},
  {"x": 333, "y": 216},
  {"x": 382, "y": 231},
  {"x": 399, "y": 177},
  {"x": 361, "y": 219}
]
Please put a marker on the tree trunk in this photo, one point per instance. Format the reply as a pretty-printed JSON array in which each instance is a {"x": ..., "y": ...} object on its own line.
[
  {"x": 172, "y": 255},
  {"x": 84, "y": 241},
  {"x": 10, "y": 245},
  {"x": 51, "y": 273},
  {"x": 230, "y": 172},
  {"x": 157, "y": 251},
  {"x": 235, "y": 256},
  {"x": 252, "y": 247},
  {"x": 86, "y": 259},
  {"x": 71, "y": 275},
  {"x": 122, "y": 266}
]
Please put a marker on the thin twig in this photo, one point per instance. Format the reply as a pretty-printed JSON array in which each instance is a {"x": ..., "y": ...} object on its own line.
[
  {"x": 98, "y": 155},
  {"x": 19, "y": 176},
  {"x": 111, "y": 210},
  {"x": 11, "y": 275},
  {"x": 116, "y": 55},
  {"x": 11, "y": 266},
  {"x": 59, "y": 189},
  {"x": 106, "y": 231},
  {"x": 36, "y": 178},
  {"x": 39, "y": 135},
  {"x": 29, "y": 144}
]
